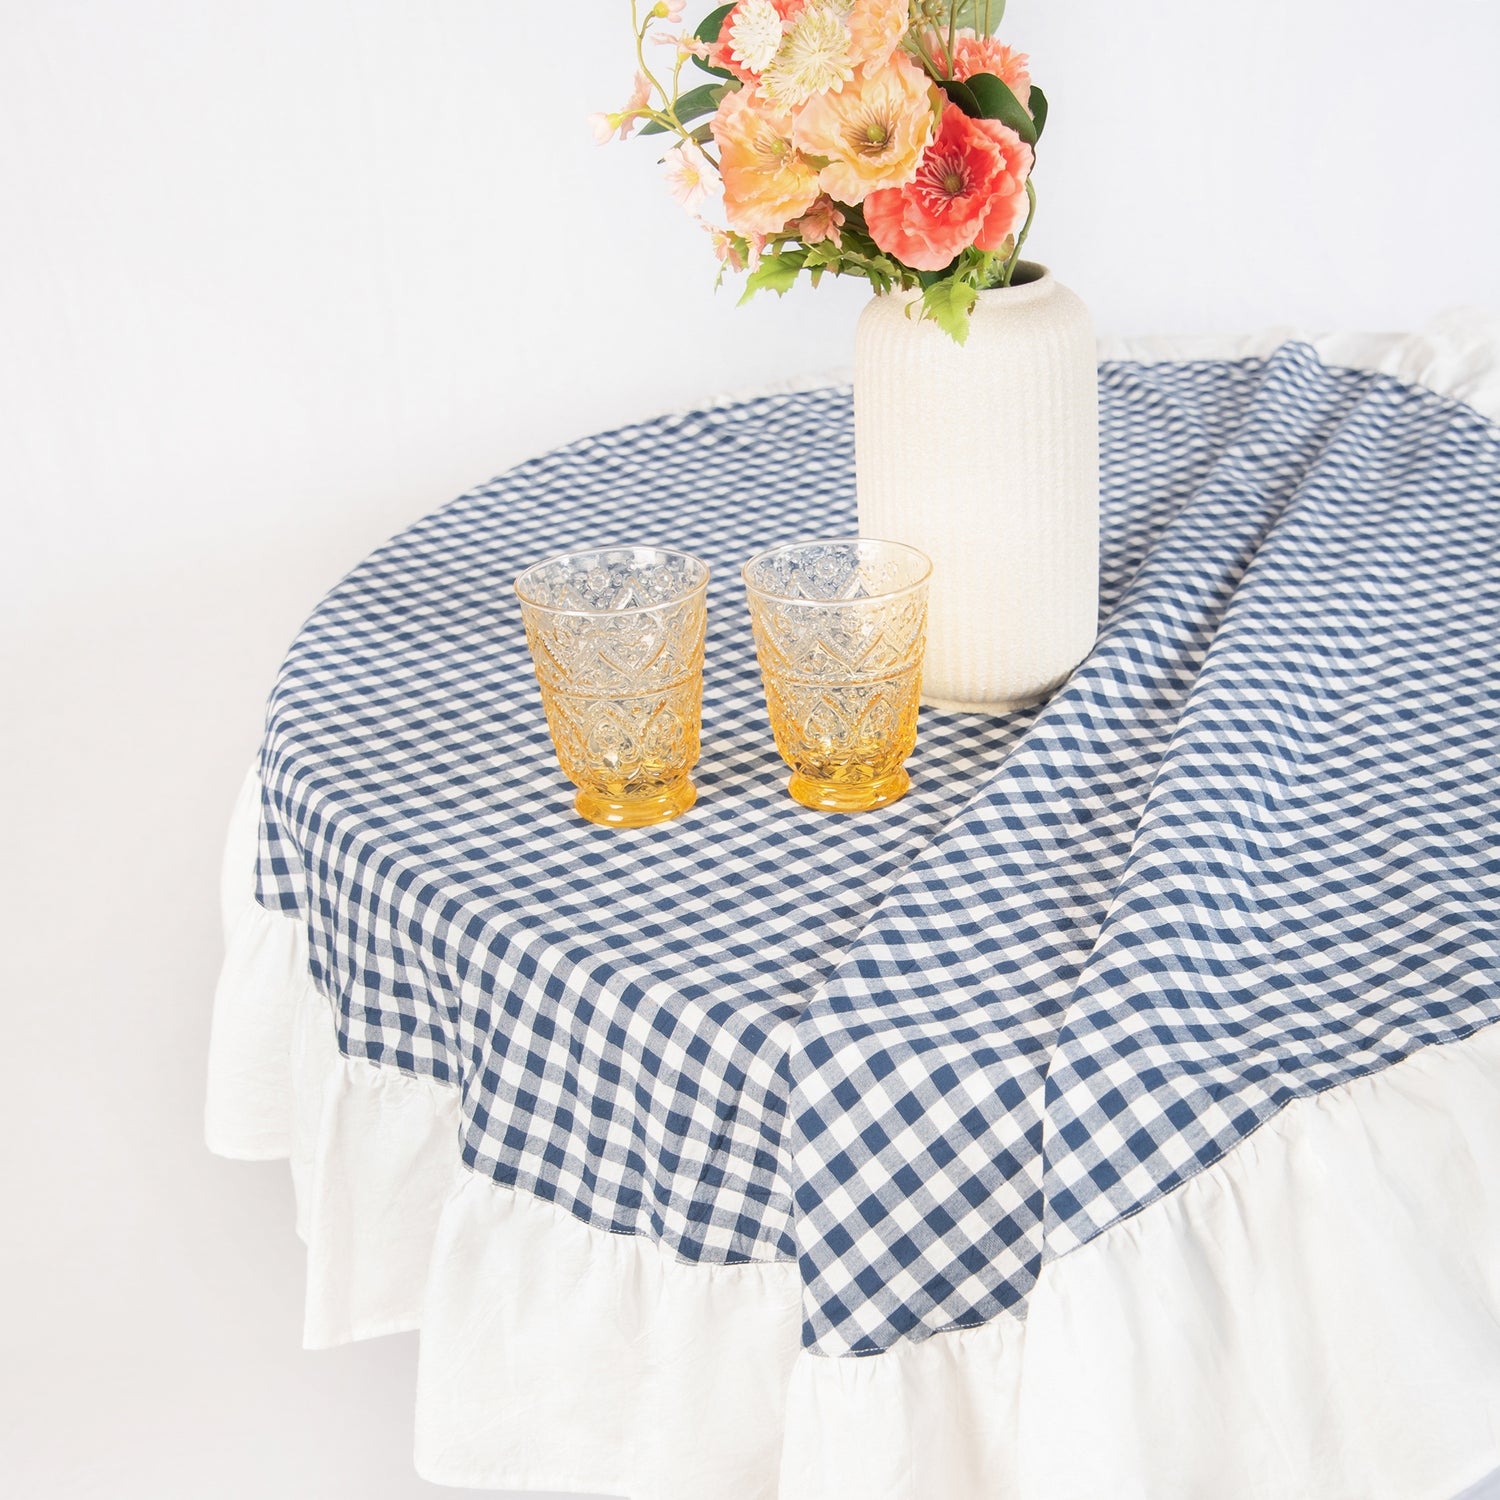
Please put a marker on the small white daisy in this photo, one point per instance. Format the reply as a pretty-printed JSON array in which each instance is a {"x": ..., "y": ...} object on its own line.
[{"x": 755, "y": 37}]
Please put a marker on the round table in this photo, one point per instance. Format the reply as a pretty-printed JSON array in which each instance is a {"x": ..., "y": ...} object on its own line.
[{"x": 650, "y": 1129}]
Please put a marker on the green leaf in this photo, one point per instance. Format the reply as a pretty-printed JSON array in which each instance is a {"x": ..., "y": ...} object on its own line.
[
  {"x": 879, "y": 269},
  {"x": 709, "y": 32},
  {"x": 698, "y": 101},
  {"x": 996, "y": 102},
  {"x": 963, "y": 96},
  {"x": 1038, "y": 104},
  {"x": 775, "y": 273},
  {"x": 824, "y": 254},
  {"x": 948, "y": 303},
  {"x": 708, "y": 29}
]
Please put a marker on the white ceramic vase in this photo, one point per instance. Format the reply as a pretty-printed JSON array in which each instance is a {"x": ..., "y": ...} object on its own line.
[{"x": 986, "y": 456}]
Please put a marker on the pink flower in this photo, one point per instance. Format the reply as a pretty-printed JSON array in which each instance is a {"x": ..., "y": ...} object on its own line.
[
  {"x": 821, "y": 222},
  {"x": 727, "y": 249},
  {"x": 970, "y": 189},
  {"x": 983, "y": 54},
  {"x": 675, "y": 9},
  {"x": 640, "y": 97},
  {"x": 605, "y": 126},
  {"x": 686, "y": 44},
  {"x": 690, "y": 175}
]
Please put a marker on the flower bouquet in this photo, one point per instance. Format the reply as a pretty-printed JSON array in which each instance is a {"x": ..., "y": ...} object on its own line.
[{"x": 888, "y": 139}]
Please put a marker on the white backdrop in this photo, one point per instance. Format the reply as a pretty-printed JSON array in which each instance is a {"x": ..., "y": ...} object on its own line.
[{"x": 277, "y": 276}]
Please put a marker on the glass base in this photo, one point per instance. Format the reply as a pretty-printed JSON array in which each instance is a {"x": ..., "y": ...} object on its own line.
[
  {"x": 639, "y": 812},
  {"x": 836, "y": 796}
]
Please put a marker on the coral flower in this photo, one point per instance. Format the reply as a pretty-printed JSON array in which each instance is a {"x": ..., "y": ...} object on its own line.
[
  {"x": 872, "y": 132},
  {"x": 690, "y": 175},
  {"x": 969, "y": 189},
  {"x": 767, "y": 181},
  {"x": 983, "y": 54},
  {"x": 875, "y": 27}
]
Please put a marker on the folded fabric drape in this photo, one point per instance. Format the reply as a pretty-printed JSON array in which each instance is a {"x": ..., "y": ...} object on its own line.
[{"x": 1140, "y": 1061}]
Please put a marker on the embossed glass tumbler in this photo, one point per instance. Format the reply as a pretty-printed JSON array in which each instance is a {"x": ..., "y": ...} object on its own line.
[
  {"x": 616, "y": 638},
  {"x": 840, "y": 627}
]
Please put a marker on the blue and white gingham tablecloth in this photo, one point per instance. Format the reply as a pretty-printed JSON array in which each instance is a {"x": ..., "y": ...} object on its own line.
[{"x": 1251, "y": 851}]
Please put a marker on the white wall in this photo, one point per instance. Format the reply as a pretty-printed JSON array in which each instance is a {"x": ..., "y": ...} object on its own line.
[{"x": 277, "y": 276}]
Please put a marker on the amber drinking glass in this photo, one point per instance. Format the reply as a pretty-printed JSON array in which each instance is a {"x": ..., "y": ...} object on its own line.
[
  {"x": 616, "y": 638},
  {"x": 840, "y": 627}
]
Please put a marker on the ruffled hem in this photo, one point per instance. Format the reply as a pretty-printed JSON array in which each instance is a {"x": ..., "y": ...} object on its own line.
[
  {"x": 1456, "y": 357},
  {"x": 1317, "y": 1315}
]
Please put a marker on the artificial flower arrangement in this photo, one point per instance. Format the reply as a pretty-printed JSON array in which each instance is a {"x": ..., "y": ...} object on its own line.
[{"x": 888, "y": 139}]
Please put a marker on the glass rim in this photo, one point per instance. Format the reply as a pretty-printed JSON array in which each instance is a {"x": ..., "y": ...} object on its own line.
[
  {"x": 612, "y": 614},
  {"x": 832, "y": 541}
]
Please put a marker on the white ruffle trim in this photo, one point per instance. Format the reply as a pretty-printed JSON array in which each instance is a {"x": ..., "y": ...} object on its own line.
[
  {"x": 1318, "y": 1315},
  {"x": 1458, "y": 356}
]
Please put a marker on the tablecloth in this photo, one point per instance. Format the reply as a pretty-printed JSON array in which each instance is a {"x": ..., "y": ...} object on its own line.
[{"x": 891, "y": 1078}]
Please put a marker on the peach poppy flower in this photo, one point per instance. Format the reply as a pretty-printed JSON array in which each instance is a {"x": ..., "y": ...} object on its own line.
[
  {"x": 872, "y": 131},
  {"x": 875, "y": 29},
  {"x": 767, "y": 181},
  {"x": 969, "y": 189},
  {"x": 983, "y": 54}
]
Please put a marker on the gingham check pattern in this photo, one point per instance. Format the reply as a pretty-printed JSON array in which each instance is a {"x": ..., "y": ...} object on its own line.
[{"x": 1247, "y": 853}]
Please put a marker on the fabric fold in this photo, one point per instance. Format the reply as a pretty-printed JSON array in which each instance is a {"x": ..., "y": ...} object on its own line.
[
  {"x": 1145, "y": 1048},
  {"x": 1320, "y": 1315}
]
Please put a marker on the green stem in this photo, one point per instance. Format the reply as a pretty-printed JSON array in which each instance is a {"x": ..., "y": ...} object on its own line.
[
  {"x": 929, "y": 63},
  {"x": 916, "y": 40},
  {"x": 1015, "y": 256},
  {"x": 667, "y": 116},
  {"x": 669, "y": 101}
]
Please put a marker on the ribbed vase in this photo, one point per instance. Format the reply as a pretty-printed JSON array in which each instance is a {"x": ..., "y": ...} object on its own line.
[{"x": 985, "y": 455}]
